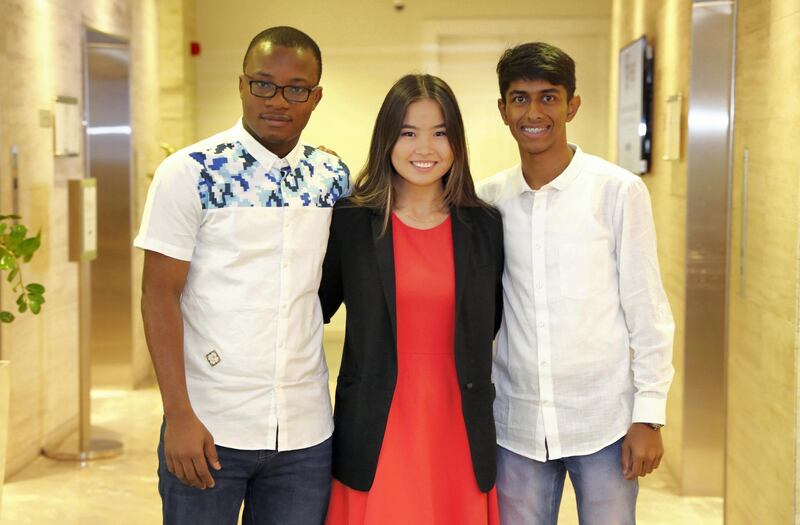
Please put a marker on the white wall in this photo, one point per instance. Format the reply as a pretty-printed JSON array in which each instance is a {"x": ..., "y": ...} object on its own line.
[{"x": 366, "y": 46}]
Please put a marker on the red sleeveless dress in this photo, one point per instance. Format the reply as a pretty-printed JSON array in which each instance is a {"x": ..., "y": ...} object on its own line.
[{"x": 425, "y": 474}]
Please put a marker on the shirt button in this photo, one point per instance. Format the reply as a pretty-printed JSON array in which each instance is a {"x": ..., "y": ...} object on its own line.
[
  {"x": 539, "y": 285},
  {"x": 544, "y": 363},
  {"x": 538, "y": 246},
  {"x": 540, "y": 324}
]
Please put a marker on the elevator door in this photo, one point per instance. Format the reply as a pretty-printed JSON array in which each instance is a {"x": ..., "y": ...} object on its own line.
[
  {"x": 109, "y": 161},
  {"x": 707, "y": 211}
]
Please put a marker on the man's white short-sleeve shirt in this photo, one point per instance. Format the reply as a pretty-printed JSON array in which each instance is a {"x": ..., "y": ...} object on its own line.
[{"x": 254, "y": 228}]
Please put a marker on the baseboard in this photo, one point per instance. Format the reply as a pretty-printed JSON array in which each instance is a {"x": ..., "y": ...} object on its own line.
[{"x": 25, "y": 457}]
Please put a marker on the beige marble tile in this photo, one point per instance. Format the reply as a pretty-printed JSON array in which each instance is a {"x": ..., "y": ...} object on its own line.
[
  {"x": 42, "y": 50},
  {"x": 146, "y": 154},
  {"x": 123, "y": 491},
  {"x": 762, "y": 368},
  {"x": 668, "y": 26},
  {"x": 120, "y": 491}
]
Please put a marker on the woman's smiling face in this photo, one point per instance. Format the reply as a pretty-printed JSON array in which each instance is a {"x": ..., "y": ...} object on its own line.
[{"x": 422, "y": 154}]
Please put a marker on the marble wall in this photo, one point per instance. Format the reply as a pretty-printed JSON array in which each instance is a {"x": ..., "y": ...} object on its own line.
[
  {"x": 762, "y": 350},
  {"x": 166, "y": 76},
  {"x": 761, "y": 467},
  {"x": 667, "y": 25},
  {"x": 41, "y": 58}
]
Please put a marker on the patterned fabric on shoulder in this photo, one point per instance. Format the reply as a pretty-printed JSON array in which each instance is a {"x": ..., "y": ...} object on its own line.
[{"x": 231, "y": 177}]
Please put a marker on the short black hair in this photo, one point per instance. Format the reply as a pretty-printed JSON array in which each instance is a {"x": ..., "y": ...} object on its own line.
[
  {"x": 536, "y": 61},
  {"x": 287, "y": 37}
]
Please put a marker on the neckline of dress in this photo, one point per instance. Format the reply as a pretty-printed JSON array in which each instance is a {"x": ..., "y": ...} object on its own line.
[{"x": 399, "y": 220}]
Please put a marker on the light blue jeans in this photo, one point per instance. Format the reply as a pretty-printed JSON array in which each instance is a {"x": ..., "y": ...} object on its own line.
[{"x": 529, "y": 491}]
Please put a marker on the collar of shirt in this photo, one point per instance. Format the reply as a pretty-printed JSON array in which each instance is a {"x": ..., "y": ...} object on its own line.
[
  {"x": 265, "y": 157},
  {"x": 563, "y": 180}
]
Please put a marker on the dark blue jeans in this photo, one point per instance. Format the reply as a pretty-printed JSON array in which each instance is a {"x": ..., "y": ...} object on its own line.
[{"x": 290, "y": 487}]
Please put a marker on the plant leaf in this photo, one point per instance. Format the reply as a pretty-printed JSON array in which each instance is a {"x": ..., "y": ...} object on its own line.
[
  {"x": 35, "y": 289},
  {"x": 28, "y": 246},
  {"x": 18, "y": 231},
  {"x": 16, "y": 247},
  {"x": 7, "y": 262}
]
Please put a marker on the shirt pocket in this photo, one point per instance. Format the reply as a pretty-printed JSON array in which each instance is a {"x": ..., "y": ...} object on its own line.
[{"x": 583, "y": 268}]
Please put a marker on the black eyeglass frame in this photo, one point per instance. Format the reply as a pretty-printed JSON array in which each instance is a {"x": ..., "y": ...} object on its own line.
[{"x": 279, "y": 88}]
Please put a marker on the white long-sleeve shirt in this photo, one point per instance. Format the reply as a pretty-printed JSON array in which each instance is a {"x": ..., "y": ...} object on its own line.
[{"x": 585, "y": 348}]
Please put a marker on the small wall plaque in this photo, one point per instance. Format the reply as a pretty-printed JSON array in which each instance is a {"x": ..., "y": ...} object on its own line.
[
  {"x": 672, "y": 133},
  {"x": 45, "y": 118},
  {"x": 67, "y": 129},
  {"x": 82, "y": 220}
]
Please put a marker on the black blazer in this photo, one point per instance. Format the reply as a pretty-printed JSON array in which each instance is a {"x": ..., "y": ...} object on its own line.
[{"x": 359, "y": 271}]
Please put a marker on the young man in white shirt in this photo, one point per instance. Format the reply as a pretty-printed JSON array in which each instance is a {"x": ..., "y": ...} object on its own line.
[
  {"x": 235, "y": 229},
  {"x": 583, "y": 357}
]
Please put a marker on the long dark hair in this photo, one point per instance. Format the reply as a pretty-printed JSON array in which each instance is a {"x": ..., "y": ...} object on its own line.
[{"x": 373, "y": 186}]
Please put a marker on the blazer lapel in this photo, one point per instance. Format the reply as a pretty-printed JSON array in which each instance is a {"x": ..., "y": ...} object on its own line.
[
  {"x": 384, "y": 254},
  {"x": 462, "y": 248}
]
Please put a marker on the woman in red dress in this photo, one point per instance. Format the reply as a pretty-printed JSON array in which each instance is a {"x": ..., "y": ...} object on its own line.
[{"x": 417, "y": 259}]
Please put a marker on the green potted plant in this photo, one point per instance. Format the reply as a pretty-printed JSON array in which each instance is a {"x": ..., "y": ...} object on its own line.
[{"x": 16, "y": 248}]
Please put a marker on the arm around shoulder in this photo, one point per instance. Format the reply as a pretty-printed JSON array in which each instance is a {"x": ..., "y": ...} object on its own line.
[
  {"x": 500, "y": 251},
  {"x": 491, "y": 225},
  {"x": 331, "y": 293}
]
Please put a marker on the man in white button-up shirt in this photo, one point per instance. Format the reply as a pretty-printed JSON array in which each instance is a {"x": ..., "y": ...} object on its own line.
[
  {"x": 235, "y": 230},
  {"x": 583, "y": 358}
]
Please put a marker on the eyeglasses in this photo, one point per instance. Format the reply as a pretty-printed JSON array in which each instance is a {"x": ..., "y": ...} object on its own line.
[{"x": 264, "y": 89}]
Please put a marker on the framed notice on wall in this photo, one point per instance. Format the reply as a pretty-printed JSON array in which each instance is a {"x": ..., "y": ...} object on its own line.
[
  {"x": 634, "y": 112},
  {"x": 82, "y": 220},
  {"x": 67, "y": 127}
]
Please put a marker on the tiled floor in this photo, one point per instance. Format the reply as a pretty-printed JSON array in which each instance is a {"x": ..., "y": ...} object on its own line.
[{"x": 122, "y": 491}]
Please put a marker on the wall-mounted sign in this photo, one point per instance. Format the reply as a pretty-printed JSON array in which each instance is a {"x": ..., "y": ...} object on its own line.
[
  {"x": 67, "y": 129},
  {"x": 634, "y": 113},
  {"x": 82, "y": 220},
  {"x": 672, "y": 128}
]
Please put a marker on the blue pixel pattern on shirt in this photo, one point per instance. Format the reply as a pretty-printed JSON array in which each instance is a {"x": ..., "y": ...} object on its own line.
[{"x": 232, "y": 177}]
